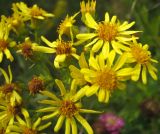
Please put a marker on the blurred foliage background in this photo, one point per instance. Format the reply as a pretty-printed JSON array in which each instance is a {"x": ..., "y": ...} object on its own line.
[{"x": 139, "y": 104}]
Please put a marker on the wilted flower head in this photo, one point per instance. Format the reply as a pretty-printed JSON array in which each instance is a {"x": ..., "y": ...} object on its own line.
[{"x": 112, "y": 123}]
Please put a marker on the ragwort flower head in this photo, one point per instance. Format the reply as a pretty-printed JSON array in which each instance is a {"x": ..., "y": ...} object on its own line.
[
  {"x": 63, "y": 49},
  {"x": 35, "y": 85},
  {"x": 26, "y": 126},
  {"x": 108, "y": 32},
  {"x": 9, "y": 90},
  {"x": 141, "y": 56},
  {"x": 27, "y": 48},
  {"x": 66, "y": 26},
  {"x": 9, "y": 112},
  {"x": 67, "y": 108},
  {"x": 105, "y": 76},
  {"x": 29, "y": 13},
  {"x": 4, "y": 42}
]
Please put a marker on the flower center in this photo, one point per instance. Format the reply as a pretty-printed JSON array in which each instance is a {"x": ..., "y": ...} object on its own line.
[
  {"x": 29, "y": 131},
  {"x": 14, "y": 110},
  {"x": 35, "y": 85},
  {"x": 3, "y": 44},
  {"x": 68, "y": 108},
  {"x": 27, "y": 51},
  {"x": 64, "y": 48},
  {"x": 107, "y": 31},
  {"x": 141, "y": 55},
  {"x": 7, "y": 88},
  {"x": 106, "y": 79},
  {"x": 36, "y": 11}
]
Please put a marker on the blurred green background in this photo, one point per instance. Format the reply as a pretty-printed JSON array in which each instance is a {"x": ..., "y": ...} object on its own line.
[{"x": 139, "y": 104}]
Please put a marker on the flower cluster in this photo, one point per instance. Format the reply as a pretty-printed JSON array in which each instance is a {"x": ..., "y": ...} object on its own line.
[{"x": 101, "y": 59}]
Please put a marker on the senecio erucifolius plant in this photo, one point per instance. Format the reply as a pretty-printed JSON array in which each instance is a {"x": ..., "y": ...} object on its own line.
[{"x": 93, "y": 60}]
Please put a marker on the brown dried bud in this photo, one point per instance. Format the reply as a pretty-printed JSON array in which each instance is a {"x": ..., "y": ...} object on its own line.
[
  {"x": 27, "y": 51},
  {"x": 35, "y": 85},
  {"x": 150, "y": 107}
]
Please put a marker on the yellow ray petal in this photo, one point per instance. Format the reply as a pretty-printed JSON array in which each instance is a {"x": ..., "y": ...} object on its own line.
[
  {"x": 40, "y": 128},
  {"x": 1, "y": 56},
  {"x": 60, "y": 58},
  {"x": 5, "y": 75},
  {"x": 93, "y": 63},
  {"x": 152, "y": 71},
  {"x": 97, "y": 46},
  {"x": 116, "y": 47},
  {"x": 36, "y": 123},
  {"x": 90, "y": 21},
  {"x": 89, "y": 111},
  {"x": 144, "y": 73},
  {"x": 61, "y": 86},
  {"x": 82, "y": 61},
  {"x": 49, "y": 116},
  {"x": 84, "y": 123},
  {"x": 113, "y": 19},
  {"x": 107, "y": 17},
  {"x": 50, "y": 95},
  {"x": 136, "y": 72},
  {"x": 101, "y": 95},
  {"x": 67, "y": 126},
  {"x": 86, "y": 36},
  {"x": 10, "y": 74},
  {"x": 43, "y": 49},
  {"x": 126, "y": 26},
  {"x": 80, "y": 93},
  {"x": 59, "y": 123},
  {"x": 111, "y": 58},
  {"x": 124, "y": 72},
  {"x": 120, "y": 62},
  {"x": 50, "y": 44},
  {"x": 92, "y": 42},
  {"x": 74, "y": 126},
  {"x": 92, "y": 90},
  {"x": 105, "y": 50},
  {"x": 107, "y": 96},
  {"x": 47, "y": 109},
  {"x": 8, "y": 55}
]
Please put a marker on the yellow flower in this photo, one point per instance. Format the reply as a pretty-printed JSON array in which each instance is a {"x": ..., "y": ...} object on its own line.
[
  {"x": 4, "y": 42},
  {"x": 66, "y": 26},
  {"x": 27, "y": 48},
  {"x": 29, "y": 13},
  {"x": 26, "y": 126},
  {"x": 140, "y": 55},
  {"x": 108, "y": 32},
  {"x": 67, "y": 108},
  {"x": 9, "y": 112},
  {"x": 104, "y": 76},
  {"x": 76, "y": 73},
  {"x": 9, "y": 89},
  {"x": 15, "y": 22},
  {"x": 88, "y": 7},
  {"x": 63, "y": 49}
]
